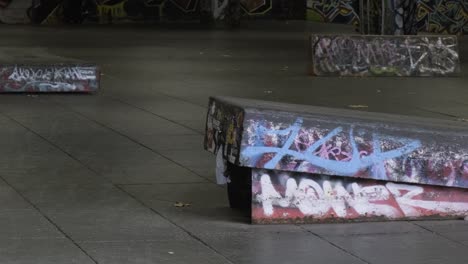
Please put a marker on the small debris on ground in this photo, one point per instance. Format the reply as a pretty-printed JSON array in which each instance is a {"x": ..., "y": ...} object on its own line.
[
  {"x": 462, "y": 119},
  {"x": 358, "y": 106},
  {"x": 171, "y": 253},
  {"x": 180, "y": 204},
  {"x": 285, "y": 68},
  {"x": 268, "y": 92}
]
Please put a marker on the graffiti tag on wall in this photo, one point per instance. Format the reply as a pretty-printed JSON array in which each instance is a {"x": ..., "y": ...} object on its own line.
[
  {"x": 438, "y": 16},
  {"x": 442, "y": 16},
  {"x": 256, "y": 7},
  {"x": 186, "y": 5},
  {"x": 295, "y": 196},
  {"x": 384, "y": 56},
  {"x": 107, "y": 11},
  {"x": 335, "y": 11}
]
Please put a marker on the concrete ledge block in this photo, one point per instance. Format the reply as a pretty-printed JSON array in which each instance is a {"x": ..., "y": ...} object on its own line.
[
  {"x": 335, "y": 142},
  {"x": 82, "y": 78},
  {"x": 361, "y": 55}
]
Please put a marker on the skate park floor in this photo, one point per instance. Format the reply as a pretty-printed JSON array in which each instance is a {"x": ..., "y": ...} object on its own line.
[{"x": 100, "y": 178}]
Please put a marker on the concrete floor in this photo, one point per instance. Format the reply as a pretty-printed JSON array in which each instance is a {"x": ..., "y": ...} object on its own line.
[{"x": 94, "y": 178}]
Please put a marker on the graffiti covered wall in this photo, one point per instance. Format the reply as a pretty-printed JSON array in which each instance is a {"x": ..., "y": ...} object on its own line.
[
  {"x": 103, "y": 11},
  {"x": 107, "y": 11},
  {"x": 293, "y": 197},
  {"x": 155, "y": 9},
  {"x": 437, "y": 16},
  {"x": 334, "y": 11},
  {"x": 442, "y": 16}
]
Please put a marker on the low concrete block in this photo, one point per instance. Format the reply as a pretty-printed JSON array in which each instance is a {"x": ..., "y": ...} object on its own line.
[
  {"x": 359, "y": 55},
  {"x": 347, "y": 143},
  {"x": 82, "y": 78},
  {"x": 322, "y": 163}
]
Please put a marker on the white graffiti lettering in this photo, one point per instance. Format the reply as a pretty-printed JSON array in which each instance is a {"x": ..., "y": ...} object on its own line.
[
  {"x": 313, "y": 199},
  {"x": 25, "y": 74}
]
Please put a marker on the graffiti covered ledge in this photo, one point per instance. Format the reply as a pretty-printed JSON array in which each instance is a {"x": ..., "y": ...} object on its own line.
[
  {"x": 354, "y": 148},
  {"x": 409, "y": 55},
  {"x": 36, "y": 70}
]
